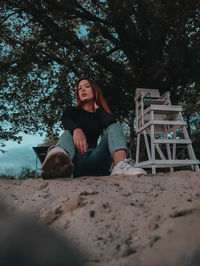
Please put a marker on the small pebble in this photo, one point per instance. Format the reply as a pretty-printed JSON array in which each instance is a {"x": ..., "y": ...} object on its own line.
[{"x": 92, "y": 213}]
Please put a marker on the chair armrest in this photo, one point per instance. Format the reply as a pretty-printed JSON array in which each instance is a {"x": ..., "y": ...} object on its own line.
[
  {"x": 166, "y": 96},
  {"x": 141, "y": 95},
  {"x": 167, "y": 93}
]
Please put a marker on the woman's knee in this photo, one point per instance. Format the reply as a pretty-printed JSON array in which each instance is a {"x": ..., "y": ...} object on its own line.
[
  {"x": 67, "y": 133},
  {"x": 114, "y": 127},
  {"x": 66, "y": 142}
]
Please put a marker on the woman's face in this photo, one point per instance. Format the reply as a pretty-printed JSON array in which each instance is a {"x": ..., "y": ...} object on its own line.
[{"x": 85, "y": 91}]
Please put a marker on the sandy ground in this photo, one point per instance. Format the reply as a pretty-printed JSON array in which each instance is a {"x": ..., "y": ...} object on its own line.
[{"x": 119, "y": 220}]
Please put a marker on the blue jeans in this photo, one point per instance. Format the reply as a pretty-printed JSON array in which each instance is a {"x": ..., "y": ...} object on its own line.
[{"x": 96, "y": 161}]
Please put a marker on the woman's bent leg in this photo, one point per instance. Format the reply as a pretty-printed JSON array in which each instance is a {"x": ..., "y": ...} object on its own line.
[
  {"x": 118, "y": 149},
  {"x": 66, "y": 143},
  {"x": 98, "y": 161}
]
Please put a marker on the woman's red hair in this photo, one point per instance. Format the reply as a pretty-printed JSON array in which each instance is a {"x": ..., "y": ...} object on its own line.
[{"x": 98, "y": 95}]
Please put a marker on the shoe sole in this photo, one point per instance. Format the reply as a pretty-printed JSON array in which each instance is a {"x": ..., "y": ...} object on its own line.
[
  {"x": 139, "y": 174},
  {"x": 57, "y": 165},
  {"x": 133, "y": 174}
]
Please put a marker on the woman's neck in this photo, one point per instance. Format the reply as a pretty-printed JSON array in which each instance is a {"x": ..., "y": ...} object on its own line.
[{"x": 89, "y": 107}]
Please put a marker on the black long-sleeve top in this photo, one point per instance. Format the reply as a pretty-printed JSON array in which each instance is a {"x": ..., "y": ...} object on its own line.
[{"x": 92, "y": 123}]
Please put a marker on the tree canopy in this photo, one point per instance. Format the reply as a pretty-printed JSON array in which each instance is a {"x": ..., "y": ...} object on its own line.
[{"x": 122, "y": 44}]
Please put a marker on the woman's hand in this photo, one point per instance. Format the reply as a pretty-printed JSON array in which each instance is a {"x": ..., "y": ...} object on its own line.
[{"x": 79, "y": 139}]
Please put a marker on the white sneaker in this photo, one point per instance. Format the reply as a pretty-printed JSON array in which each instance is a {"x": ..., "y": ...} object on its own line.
[
  {"x": 127, "y": 167},
  {"x": 57, "y": 164}
]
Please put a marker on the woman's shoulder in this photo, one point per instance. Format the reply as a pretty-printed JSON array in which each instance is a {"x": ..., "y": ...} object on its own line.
[{"x": 71, "y": 109}]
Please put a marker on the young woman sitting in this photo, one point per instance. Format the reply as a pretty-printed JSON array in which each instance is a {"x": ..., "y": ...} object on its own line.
[{"x": 77, "y": 152}]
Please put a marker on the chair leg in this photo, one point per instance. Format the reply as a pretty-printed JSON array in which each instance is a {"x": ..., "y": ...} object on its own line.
[
  {"x": 168, "y": 150},
  {"x": 147, "y": 145},
  {"x": 138, "y": 148},
  {"x": 152, "y": 144},
  {"x": 174, "y": 145},
  {"x": 189, "y": 146},
  {"x": 153, "y": 170},
  {"x": 36, "y": 166}
]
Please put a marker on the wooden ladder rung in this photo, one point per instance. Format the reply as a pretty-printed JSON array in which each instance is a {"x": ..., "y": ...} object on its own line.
[
  {"x": 172, "y": 141},
  {"x": 162, "y": 122},
  {"x": 167, "y": 108},
  {"x": 163, "y": 163}
]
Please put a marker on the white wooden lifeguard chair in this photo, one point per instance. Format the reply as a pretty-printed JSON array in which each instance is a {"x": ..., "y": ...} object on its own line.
[{"x": 167, "y": 142}]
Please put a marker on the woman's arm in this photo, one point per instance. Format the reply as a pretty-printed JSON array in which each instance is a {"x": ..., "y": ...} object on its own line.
[
  {"x": 80, "y": 140},
  {"x": 78, "y": 135}
]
